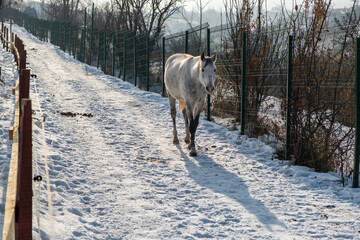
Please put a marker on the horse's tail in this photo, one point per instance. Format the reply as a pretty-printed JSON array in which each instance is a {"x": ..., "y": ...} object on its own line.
[{"x": 181, "y": 106}]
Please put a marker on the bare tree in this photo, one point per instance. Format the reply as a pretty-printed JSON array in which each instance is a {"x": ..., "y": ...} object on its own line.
[
  {"x": 63, "y": 10},
  {"x": 9, "y": 3},
  {"x": 322, "y": 115},
  {"x": 145, "y": 16},
  {"x": 261, "y": 43}
]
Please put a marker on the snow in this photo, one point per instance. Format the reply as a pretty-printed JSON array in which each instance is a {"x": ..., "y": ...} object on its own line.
[
  {"x": 7, "y": 82},
  {"x": 115, "y": 174}
]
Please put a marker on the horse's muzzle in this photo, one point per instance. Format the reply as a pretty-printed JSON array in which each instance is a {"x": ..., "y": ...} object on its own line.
[{"x": 210, "y": 89}]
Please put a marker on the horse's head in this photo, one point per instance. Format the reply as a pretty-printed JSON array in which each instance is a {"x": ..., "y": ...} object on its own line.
[{"x": 207, "y": 72}]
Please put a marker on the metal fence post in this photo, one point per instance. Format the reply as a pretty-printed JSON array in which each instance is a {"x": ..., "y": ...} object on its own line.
[
  {"x": 84, "y": 41},
  {"x": 99, "y": 48},
  {"x": 135, "y": 59},
  {"x": 163, "y": 66},
  {"x": 7, "y": 39},
  {"x": 147, "y": 63},
  {"x": 81, "y": 57},
  {"x": 289, "y": 98},
  {"x": 243, "y": 84},
  {"x": 113, "y": 55},
  {"x": 91, "y": 35},
  {"x": 186, "y": 42},
  {"x": 70, "y": 38},
  {"x": 124, "y": 57},
  {"x": 105, "y": 53},
  {"x": 208, "y": 53},
  {"x": 355, "y": 183},
  {"x": 76, "y": 41}
]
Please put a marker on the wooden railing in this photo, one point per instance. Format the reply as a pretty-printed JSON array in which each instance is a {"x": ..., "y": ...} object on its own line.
[{"x": 18, "y": 206}]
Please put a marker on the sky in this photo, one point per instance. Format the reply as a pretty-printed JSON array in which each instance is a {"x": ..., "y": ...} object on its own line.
[{"x": 217, "y": 4}]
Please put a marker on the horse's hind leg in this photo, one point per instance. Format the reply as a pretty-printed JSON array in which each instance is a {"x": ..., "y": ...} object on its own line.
[
  {"x": 172, "y": 102},
  {"x": 187, "y": 132}
]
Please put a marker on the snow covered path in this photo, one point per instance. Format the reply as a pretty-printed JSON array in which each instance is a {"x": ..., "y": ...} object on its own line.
[{"x": 115, "y": 173}]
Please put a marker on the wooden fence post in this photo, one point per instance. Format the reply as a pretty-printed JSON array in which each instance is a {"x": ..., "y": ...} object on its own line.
[
  {"x": 24, "y": 86},
  {"x": 16, "y": 45},
  {"x": 22, "y": 59},
  {"x": 23, "y": 209}
]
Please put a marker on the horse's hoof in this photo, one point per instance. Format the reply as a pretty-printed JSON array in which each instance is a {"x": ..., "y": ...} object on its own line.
[
  {"x": 193, "y": 153},
  {"x": 187, "y": 141},
  {"x": 176, "y": 141}
]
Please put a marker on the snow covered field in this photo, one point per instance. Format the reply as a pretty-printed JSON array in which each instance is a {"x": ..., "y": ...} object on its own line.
[{"x": 115, "y": 173}]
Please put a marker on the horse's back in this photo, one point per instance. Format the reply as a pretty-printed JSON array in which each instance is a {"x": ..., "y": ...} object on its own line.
[
  {"x": 177, "y": 69},
  {"x": 178, "y": 58}
]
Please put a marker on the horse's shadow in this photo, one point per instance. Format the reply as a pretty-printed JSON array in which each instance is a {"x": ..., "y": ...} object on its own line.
[{"x": 207, "y": 173}]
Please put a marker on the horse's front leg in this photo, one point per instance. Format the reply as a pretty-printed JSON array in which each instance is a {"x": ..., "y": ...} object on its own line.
[
  {"x": 172, "y": 102},
  {"x": 194, "y": 122},
  {"x": 187, "y": 132}
]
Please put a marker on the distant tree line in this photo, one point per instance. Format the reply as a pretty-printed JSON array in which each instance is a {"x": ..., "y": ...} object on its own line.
[{"x": 141, "y": 16}]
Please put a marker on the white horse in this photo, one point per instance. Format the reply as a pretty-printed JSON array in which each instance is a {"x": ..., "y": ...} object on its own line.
[{"x": 188, "y": 79}]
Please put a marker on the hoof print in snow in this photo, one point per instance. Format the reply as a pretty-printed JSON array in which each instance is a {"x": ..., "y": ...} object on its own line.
[{"x": 155, "y": 160}]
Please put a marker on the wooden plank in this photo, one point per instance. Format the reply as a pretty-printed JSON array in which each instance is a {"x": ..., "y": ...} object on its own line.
[
  {"x": 16, "y": 88},
  {"x": 9, "y": 218},
  {"x": 11, "y": 133}
]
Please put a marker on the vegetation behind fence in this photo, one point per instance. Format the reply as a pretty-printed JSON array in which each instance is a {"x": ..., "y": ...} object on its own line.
[{"x": 291, "y": 83}]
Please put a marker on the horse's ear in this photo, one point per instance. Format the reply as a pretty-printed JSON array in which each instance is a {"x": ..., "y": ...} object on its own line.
[
  {"x": 214, "y": 57},
  {"x": 202, "y": 56}
]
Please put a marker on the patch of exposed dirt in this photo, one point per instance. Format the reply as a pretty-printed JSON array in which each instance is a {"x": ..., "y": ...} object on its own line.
[{"x": 72, "y": 114}]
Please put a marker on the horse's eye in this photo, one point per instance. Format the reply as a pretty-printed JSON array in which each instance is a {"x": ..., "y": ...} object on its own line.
[
  {"x": 214, "y": 70},
  {"x": 202, "y": 69}
]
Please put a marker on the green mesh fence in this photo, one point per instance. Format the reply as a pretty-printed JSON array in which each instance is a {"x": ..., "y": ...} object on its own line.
[{"x": 251, "y": 79}]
